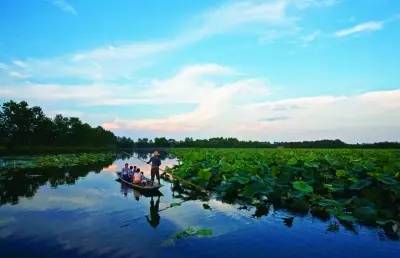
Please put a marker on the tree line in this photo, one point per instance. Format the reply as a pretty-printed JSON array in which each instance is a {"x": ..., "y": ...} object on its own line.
[
  {"x": 221, "y": 142},
  {"x": 21, "y": 125},
  {"x": 24, "y": 126}
]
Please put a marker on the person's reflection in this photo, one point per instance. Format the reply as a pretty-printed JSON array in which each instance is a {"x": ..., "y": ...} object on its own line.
[
  {"x": 124, "y": 190},
  {"x": 136, "y": 194},
  {"x": 154, "y": 219}
]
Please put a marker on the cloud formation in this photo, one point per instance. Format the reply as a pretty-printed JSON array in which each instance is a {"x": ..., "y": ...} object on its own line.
[
  {"x": 64, "y": 6},
  {"x": 267, "y": 20},
  {"x": 230, "y": 104},
  {"x": 224, "y": 101},
  {"x": 189, "y": 85},
  {"x": 374, "y": 116},
  {"x": 359, "y": 28}
]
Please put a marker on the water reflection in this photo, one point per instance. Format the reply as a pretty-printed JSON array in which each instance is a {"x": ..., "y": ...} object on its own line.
[
  {"x": 25, "y": 183},
  {"x": 154, "y": 218},
  {"x": 85, "y": 212},
  {"x": 15, "y": 184}
]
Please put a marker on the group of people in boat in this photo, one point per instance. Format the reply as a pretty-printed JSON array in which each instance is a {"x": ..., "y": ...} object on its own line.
[{"x": 134, "y": 175}]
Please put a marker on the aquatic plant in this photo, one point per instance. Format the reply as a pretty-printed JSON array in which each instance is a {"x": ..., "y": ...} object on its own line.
[
  {"x": 350, "y": 185},
  {"x": 59, "y": 161},
  {"x": 188, "y": 232}
]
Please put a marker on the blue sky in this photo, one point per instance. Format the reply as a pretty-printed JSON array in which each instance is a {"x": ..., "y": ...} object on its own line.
[{"x": 266, "y": 70}]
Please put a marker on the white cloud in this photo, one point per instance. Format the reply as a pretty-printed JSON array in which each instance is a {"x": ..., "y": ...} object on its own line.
[
  {"x": 318, "y": 3},
  {"x": 229, "y": 104},
  {"x": 359, "y": 28},
  {"x": 310, "y": 37},
  {"x": 96, "y": 65},
  {"x": 190, "y": 85},
  {"x": 367, "y": 117},
  {"x": 212, "y": 111},
  {"x": 268, "y": 20},
  {"x": 64, "y": 6},
  {"x": 237, "y": 14}
]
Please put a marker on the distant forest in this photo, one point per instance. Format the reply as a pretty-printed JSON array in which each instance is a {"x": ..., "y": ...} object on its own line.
[
  {"x": 22, "y": 126},
  {"x": 220, "y": 142}
]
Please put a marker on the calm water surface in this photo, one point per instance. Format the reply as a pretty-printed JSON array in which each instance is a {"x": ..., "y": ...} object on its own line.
[{"x": 85, "y": 212}]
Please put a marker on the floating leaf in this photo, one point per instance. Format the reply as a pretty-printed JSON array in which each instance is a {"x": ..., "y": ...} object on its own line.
[
  {"x": 292, "y": 162},
  {"x": 204, "y": 174},
  {"x": 367, "y": 214},
  {"x": 329, "y": 187},
  {"x": 387, "y": 179},
  {"x": 255, "y": 188},
  {"x": 191, "y": 231},
  {"x": 319, "y": 177},
  {"x": 360, "y": 184},
  {"x": 302, "y": 186},
  {"x": 328, "y": 203},
  {"x": 203, "y": 232},
  {"x": 346, "y": 218},
  {"x": 341, "y": 173},
  {"x": 174, "y": 204},
  {"x": 385, "y": 222},
  {"x": 239, "y": 179}
]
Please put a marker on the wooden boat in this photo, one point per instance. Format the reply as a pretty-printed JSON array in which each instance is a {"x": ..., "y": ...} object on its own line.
[{"x": 147, "y": 188}]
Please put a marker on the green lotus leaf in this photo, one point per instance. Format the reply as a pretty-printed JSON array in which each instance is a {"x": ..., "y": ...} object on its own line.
[
  {"x": 255, "y": 188},
  {"x": 341, "y": 173},
  {"x": 360, "y": 184},
  {"x": 367, "y": 214},
  {"x": 302, "y": 186},
  {"x": 346, "y": 218},
  {"x": 292, "y": 162},
  {"x": 204, "y": 232},
  {"x": 204, "y": 174},
  {"x": 328, "y": 203},
  {"x": 387, "y": 180},
  {"x": 239, "y": 179}
]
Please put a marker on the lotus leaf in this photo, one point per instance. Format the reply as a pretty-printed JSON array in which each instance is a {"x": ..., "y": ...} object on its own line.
[
  {"x": 360, "y": 184},
  {"x": 302, "y": 186}
]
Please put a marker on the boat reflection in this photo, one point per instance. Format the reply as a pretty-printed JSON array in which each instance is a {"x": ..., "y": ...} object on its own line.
[
  {"x": 126, "y": 190},
  {"x": 154, "y": 207}
]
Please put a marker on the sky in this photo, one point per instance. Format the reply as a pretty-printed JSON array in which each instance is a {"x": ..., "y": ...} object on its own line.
[{"x": 274, "y": 70}]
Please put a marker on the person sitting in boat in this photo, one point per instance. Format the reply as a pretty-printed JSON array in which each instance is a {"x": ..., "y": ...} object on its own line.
[
  {"x": 144, "y": 179},
  {"x": 137, "y": 177},
  {"x": 130, "y": 173},
  {"x": 125, "y": 172},
  {"x": 155, "y": 166}
]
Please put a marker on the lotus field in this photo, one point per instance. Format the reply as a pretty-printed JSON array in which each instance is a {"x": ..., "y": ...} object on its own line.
[
  {"x": 49, "y": 161},
  {"x": 351, "y": 185}
]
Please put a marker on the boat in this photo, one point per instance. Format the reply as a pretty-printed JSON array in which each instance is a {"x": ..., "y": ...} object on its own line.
[{"x": 144, "y": 188}]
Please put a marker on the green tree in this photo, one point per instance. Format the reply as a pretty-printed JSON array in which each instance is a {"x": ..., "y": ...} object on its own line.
[{"x": 21, "y": 125}]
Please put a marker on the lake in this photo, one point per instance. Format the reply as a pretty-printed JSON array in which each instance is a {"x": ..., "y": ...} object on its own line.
[{"x": 85, "y": 212}]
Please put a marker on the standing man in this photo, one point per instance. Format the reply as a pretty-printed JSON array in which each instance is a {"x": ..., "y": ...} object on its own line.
[{"x": 155, "y": 166}]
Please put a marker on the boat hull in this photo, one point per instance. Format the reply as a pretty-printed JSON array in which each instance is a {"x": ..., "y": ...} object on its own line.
[{"x": 152, "y": 188}]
